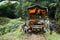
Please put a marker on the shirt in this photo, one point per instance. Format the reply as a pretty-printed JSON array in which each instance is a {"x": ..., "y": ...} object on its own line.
[
  {"x": 51, "y": 26},
  {"x": 22, "y": 25}
]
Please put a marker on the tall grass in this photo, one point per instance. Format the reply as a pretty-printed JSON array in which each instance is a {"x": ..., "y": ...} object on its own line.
[{"x": 11, "y": 26}]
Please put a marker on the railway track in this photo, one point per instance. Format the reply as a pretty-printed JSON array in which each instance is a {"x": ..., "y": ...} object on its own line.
[{"x": 34, "y": 37}]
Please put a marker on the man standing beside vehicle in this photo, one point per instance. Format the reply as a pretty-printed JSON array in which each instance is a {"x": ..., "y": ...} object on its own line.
[
  {"x": 47, "y": 23},
  {"x": 51, "y": 27},
  {"x": 22, "y": 26}
]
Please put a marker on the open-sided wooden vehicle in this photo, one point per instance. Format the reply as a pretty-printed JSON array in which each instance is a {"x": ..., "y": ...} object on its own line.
[{"x": 36, "y": 17}]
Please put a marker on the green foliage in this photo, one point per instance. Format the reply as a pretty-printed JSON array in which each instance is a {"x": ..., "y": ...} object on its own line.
[
  {"x": 7, "y": 9},
  {"x": 10, "y": 27},
  {"x": 57, "y": 15},
  {"x": 4, "y": 20},
  {"x": 21, "y": 8},
  {"x": 54, "y": 36},
  {"x": 16, "y": 35}
]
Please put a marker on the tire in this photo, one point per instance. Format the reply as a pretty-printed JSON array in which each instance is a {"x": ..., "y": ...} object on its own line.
[
  {"x": 43, "y": 30},
  {"x": 26, "y": 31}
]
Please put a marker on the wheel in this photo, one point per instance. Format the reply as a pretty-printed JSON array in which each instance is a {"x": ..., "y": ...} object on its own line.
[
  {"x": 26, "y": 31},
  {"x": 43, "y": 30}
]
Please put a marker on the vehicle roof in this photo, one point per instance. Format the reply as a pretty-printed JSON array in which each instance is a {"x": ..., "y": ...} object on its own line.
[{"x": 36, "y": 6}]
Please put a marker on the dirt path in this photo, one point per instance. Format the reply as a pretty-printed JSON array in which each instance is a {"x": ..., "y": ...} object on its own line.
[
  {"x": 0, "y": 38},
  {"x": 33, "y": 37}
]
